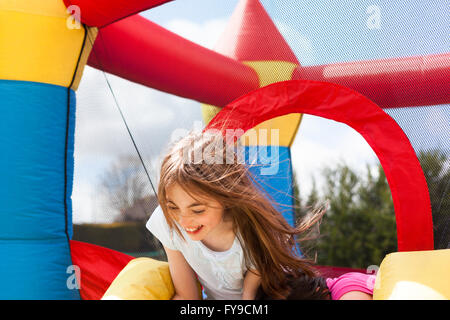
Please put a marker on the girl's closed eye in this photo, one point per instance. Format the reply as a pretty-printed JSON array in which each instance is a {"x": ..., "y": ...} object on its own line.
[{"x": 198, "y": 211}]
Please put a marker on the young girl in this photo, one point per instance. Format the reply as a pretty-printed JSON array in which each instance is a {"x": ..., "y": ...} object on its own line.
[{"x": 218, "y": 227}]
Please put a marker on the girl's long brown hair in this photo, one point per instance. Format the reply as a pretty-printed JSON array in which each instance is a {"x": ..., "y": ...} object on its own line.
[{"x": 268, "y": 241}]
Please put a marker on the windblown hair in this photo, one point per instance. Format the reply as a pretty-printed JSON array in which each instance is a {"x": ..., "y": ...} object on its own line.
[{"x": 205, "y": 165}]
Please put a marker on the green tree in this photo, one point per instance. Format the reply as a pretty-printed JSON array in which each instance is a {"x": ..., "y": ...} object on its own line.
[
  {"x": 358, "y": 229},
  {"x": 377, "y": 208},
  {"x": 301, "y": 211},
  {"x": 435, "y": 166},
  {"x": 307, "y": 241},
  {"x": 311, "y": 202}
]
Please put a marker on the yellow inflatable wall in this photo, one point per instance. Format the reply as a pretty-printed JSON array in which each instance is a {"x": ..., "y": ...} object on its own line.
[{"x": 419, "y": 275}]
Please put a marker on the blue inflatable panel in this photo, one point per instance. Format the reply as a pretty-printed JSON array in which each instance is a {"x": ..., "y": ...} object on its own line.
[
  {"x": 36, "y": 269},
  {"x": 37, "y": 123},
  {"x": 272, "y": 168}
]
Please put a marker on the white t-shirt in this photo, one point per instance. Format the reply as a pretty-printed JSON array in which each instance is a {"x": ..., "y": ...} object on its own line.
[{"x": 220, "y": 273}]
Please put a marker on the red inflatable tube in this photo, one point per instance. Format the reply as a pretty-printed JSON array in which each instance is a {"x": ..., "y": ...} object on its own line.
[
  {"x": 141, "y": 51},
  {"x": 99, "y": 266},
  {"x": 99, "y": 13},
  {"x": 390, "y": 83},
  {"x": 402, "y": 168}
]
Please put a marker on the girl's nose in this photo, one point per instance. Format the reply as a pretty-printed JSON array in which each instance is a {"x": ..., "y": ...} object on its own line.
[{"x": 185, "y": 220}]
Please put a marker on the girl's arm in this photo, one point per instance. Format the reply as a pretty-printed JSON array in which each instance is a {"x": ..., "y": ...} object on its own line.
[
  {"x": 252, "y": 281},
  {"x": 183, "y": 277}
]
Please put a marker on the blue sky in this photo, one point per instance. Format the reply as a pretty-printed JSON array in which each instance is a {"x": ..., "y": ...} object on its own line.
[
  {"x": 318, "y": 31},
  {"x": 338, "y": 29}
]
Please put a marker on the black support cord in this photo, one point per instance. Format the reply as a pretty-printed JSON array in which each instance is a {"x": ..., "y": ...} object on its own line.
[{"x": 120, "y": 111}]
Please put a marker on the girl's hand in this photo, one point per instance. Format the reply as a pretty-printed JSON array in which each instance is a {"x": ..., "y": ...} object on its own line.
[{"x": 252, "y": 281}]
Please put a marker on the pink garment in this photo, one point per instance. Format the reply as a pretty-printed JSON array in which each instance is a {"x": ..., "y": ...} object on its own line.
[{"x": 351, "y": 281}]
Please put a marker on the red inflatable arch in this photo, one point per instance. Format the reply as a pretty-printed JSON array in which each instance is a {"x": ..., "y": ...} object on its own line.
[{"x": 402, "y": 168}]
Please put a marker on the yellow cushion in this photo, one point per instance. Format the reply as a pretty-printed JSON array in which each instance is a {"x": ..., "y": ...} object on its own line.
[
  {"x": 420, "y": 275},
  {"x": 142, "y": 279}
]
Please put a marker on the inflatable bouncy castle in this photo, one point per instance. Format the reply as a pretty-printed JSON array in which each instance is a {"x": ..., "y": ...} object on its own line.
[{"x": 251, "y": 80}]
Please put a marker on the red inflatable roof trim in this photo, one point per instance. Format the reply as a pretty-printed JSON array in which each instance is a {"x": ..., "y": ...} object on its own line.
[{"x": 99, "y": 13}]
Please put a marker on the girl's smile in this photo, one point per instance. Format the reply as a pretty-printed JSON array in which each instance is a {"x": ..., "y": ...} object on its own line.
[{"x": 193, "y": 230}]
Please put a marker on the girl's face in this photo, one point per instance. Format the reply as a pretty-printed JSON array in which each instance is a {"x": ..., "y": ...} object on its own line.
[{"x": 201, "y": 219}]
